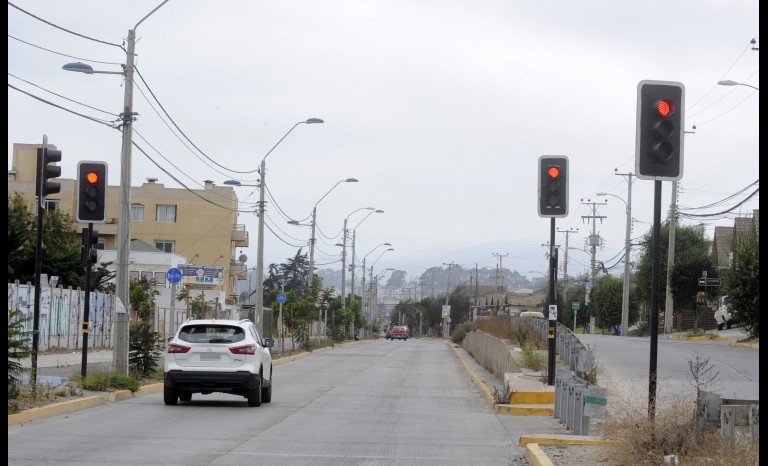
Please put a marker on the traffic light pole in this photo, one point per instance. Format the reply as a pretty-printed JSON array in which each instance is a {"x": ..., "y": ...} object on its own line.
[
  {"x": 87, "y": 244},
  {"x": 655, "y": 281},
  {"x": 552, "y": 330}
]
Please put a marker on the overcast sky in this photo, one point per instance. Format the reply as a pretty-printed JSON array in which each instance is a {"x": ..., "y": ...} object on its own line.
[{"x": 441, "y": 110}]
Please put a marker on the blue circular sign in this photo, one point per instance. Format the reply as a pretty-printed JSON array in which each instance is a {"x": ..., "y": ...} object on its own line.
[
  {"x": 173, "y": 275},
  {"x": 281, "y": 298}
]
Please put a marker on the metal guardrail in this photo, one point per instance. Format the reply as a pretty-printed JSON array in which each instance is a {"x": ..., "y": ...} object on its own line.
[
  {"x": 728, "y": 414},
  {"x": 575, "y": 400}
]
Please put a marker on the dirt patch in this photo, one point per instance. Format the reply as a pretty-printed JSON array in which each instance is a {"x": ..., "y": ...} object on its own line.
[{"x": 579, "y": 455}]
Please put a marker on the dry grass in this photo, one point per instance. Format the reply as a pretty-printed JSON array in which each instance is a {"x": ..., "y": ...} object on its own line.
[{"x": 641, "y": 441}]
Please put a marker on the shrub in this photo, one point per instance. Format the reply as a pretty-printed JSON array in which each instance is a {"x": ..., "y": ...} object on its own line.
[
  {"x": 144, "y": 349},
  {"x": 461, "y": 331},
  {"x": 531, "y": 358},
  {"x": 18, "y": 349},
  {"x": 101, "y": 381}
]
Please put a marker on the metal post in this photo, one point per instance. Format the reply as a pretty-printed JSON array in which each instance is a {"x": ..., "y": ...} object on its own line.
[{"x": 344, "y": 270}]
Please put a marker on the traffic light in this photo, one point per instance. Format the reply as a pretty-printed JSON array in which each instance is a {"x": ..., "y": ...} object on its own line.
[
  {"x": 46, "y": 172},
  {"x": 89, "y": 249},
  {"x": 659, "y": 137},
  {"x": 92, "y": 192},
  {"x": 553, "y": 186}
]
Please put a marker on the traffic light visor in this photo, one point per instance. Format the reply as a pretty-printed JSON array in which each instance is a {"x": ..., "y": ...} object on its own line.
[
  {"x": 92, "y": 177},
  {"x": 665, "y": 107},
  {"x": 553, "y": 172}
]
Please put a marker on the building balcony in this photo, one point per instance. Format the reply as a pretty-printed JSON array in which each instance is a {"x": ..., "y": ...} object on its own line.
[
  {"x": 238, "y": 269},
  {"x": 240, "y": 236}
]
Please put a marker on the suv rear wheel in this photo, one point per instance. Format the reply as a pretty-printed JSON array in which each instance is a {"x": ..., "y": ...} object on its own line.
[
  {"x": 169, "y": 396},
  {"x": 254, "y": 395}
]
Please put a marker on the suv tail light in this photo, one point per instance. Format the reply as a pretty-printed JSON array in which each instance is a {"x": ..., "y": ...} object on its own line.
[
  {"x": 176, "y": 348},
  {"x": 247, "y": 349}
]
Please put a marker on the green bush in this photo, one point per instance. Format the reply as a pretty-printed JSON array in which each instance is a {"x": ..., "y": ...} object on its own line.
[
  {"x": 100, "y": 381},
  {"x": 144, "y": 349},
  {"x": 461, "y": 331},
  {"x": 532, "y": 359}
]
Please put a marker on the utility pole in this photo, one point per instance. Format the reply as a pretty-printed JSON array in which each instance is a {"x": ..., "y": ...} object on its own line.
[
  {"x": 446, "y": 321},
  {"x": 501, "y": 271},
  {"x": 433, "y": 281},
  {"x": 594, "y": 242},
  {"x": 668, "y": 305},
  {"x": 627, "y": 249},
  {"x": 565, "y": 259}
]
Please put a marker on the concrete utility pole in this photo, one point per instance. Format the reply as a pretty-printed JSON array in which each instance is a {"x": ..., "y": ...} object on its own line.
[
  {"x": 565, "y": 259},
  {"x": 627, "y": 250},
  {"x": 594, "y": 239},
  {"x": 447, "y": 295},
  {"x": 501, "y": 269},
  {"x": 669, "y": 305}
]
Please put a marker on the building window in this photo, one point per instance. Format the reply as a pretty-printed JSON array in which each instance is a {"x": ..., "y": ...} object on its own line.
[
  {"x": 160, "y": 278},
  {"x": 133, "y": 275},
  {"x": 146, "y": 275},
  {"x": 137, "y": 212},
  {"x": 165, "y": 213},
  {"x": 165, "y": 245},
  {"x": 52, "y": 205}
]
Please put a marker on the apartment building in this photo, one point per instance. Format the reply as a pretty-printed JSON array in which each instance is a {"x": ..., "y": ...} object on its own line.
[{"x": 191, "y": 226}]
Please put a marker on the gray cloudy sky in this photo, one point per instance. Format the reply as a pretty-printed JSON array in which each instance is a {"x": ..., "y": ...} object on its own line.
[{"x": 440, "y": 109}]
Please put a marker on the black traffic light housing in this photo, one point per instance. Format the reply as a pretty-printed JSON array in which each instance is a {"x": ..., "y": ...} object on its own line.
[
  {"x": 553, "y": 186},
  {"x": 659, "y": 136},
  {"x": 91, "y": 192},
  {"x": 89, "y": 253},
  {"x": 47, "y": 172}
]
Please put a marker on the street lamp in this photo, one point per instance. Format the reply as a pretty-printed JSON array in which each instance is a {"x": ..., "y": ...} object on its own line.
[
  {"x": 371, "y": 275},
  {"x": 627, "y": 246},
  {"x": 365, "y": 302},
  {"x": 314, "y": 227},
  {"x": 259, "y": 309},
  {"x": 344, "y": 257},
  {"x": 354, "y": 231},
  {"x": 728, "y": 82},
  {"x": 120, "y": 353},
  {"x": 312, "y": 238},
  {"x": 375, "y": 291}
]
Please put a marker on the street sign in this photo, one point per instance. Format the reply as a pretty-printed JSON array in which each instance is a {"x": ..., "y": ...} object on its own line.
[
  {"x": 173, "y": 275},
  {"x": 281, "y": 298},
  {"x": 575, "y": 305},
  {"x": 709, "y": 281}
]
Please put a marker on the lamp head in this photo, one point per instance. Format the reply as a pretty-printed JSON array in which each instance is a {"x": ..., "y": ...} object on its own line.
[
  {"x": 601, "y": 194},
  {"x": 379, "y": 211},
  {"x": 351, "y": 180},
  {"x": 292, "y": 222},
  {"x": 314, "y": 120},
  {"x": 232, "y": 183},
  {"x": 386, "y": 244},
  {"x": 78, "y": 67},
  {"x": 727, "y": 82}
]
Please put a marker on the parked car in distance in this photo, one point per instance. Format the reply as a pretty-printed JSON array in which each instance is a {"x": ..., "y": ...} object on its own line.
[
  {"x": 536, "y": 314},
  {"x": 399, "y": 332},
  {"x": 388, "y": 333},
  {"x": 222, "y": 356},
  {"x": 723, "y": 314}
]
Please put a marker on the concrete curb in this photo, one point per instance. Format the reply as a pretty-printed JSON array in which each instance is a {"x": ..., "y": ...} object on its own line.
[
  {"x": 479, "y": 383},
  {"x": 536, "y": 456},
  {"x": 56, "y": 409}
]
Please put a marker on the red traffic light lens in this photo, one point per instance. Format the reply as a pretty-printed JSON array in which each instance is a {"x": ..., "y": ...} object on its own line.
[
  {"x": 553, "y": 172},
  {"x": 665, "y": 107},
  {"x": 92, "y": 177}
]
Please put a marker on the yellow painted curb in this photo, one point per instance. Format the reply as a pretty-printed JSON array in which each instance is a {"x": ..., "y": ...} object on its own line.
[
  {"x": 55, "y": 409},
  {"x": 525, "y": 410},
  {"x": 479, "y": 383},
  {"x": 535, "y": 455},
  {"x": 119, "y": 395},
  {"x": 554, "y": 439},
  {"x": 532, "y": 398},
  {"x": 153, "y": 388}
]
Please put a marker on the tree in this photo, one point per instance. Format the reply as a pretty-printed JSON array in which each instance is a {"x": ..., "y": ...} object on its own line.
[
  {"x": 61, "y": 249},
  {"x": 18, "y": 348},
  {"x": 292, "y": 275},
  {"x": 691, "y": 258},
  {"x": 743, "y": 281},
  {"x": 606, "y": 299},
  {"x": 143, "y": 343}
]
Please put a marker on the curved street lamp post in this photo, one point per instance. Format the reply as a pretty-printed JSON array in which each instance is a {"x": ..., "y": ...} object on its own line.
[
  {"x": 627, "y": 248},
  {"x": 259, "y": 307}
]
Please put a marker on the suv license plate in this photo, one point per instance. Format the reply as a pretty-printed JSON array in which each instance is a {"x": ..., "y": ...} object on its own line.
[{"x": 210, "y": 356}]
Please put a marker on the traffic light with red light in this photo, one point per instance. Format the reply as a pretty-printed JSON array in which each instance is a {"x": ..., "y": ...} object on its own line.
[
  {"x": 553, "y": 186},
  {"x": 46, "y": 172},
  {"x": 659, "y": 137},
  {"x": 92, "y": 192}
]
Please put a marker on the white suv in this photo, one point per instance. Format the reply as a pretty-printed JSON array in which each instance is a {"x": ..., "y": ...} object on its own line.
[{"x": 224, "y": 356}]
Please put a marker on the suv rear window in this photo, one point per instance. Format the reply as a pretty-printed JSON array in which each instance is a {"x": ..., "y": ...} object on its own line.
[{"x": 211, "y": 334}]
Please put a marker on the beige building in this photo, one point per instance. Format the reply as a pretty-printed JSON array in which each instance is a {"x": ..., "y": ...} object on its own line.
[{"x": 199, "y": 225}]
